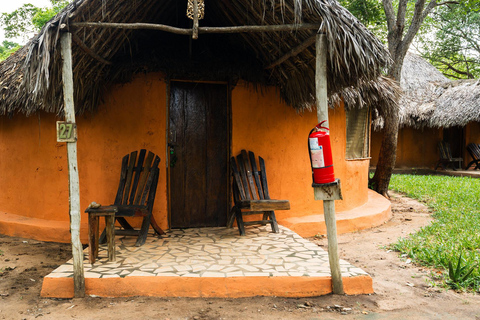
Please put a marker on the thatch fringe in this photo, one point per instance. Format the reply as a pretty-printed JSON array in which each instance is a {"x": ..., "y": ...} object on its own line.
[
  {"x": 432, "y": 100},
  {"x": 30, "y": 80}
]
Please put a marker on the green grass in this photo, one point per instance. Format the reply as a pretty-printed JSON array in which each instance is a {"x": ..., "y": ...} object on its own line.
[{"x": 454, "y": 235}]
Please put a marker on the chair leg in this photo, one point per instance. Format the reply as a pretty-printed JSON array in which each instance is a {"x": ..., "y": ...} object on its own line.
[
  {"x": 155, "y": 226},
  {"x": 469, "y": 164},
  {"x": 142, "y": 236},
  {"x": 475, "y": 163},
  {"x": 241, "y": 226},
  {"x": 273, "y": 222},
  {"x": 231, "y": 218}
]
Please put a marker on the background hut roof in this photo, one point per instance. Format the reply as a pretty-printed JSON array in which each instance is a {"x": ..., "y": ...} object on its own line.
[
  {"x": 30, "y": 80},
  {"x": 431, "y": 99}
]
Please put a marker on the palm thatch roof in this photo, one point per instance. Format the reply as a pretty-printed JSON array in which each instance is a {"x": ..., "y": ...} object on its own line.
[
  {"x": 30, "y": 80},
  {"x": 432, "y": 100}
]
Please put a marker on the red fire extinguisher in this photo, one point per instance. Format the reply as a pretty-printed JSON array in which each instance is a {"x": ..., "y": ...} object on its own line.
[{"x": 321, "y": 154}]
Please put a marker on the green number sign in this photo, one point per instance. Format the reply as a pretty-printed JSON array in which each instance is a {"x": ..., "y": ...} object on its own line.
[{"x": 66, "y": 131}]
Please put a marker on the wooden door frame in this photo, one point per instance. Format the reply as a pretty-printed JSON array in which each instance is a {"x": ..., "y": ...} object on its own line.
[{"x": 167, "y": 136}]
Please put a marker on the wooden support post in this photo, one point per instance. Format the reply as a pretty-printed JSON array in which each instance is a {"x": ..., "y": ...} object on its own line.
[
  {"x": 74, "y": 185},
  {"x": 195, "y": 20},
  {"x": 333, "y": 191},
  {"x": 321, "y": 93}
]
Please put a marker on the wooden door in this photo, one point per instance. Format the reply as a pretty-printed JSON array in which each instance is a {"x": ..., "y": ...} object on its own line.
[
  {"x": 455, "y": 137},
  {"x": 199, "y": 152}
]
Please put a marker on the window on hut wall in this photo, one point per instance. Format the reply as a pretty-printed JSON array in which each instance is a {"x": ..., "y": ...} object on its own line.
[{"x": 358, "y": 133}]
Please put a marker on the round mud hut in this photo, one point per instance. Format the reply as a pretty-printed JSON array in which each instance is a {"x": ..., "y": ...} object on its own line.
[
  {"x": 433, "y": 108},
  {"x": 240, "y": 75}
]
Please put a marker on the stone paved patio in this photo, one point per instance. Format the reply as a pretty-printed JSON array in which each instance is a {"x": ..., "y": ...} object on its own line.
[{"x": 213, "y": 253}]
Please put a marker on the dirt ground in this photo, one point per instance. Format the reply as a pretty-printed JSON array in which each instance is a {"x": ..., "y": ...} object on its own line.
[{"x": 402, "y": 290}]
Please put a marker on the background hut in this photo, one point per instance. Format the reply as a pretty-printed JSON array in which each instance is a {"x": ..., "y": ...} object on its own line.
[
  {"x": 433, "y": 108},
  {"x": 259, "y": 88}
]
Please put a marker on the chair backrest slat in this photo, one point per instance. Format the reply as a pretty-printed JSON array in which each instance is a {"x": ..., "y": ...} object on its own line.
[
  {"x": 143, "y": 179},
  {"x": 256, "y": 175},
  {"x": 237, "y": 183},
  {"x": 263, "y": 175},
  {"x": 243, "y": 177},
  {"x": 123, "y": 178},
  {"x": 248, "y": 170},
  {"x": 474, "y": 150},
  {"x": 138, "y": 171},
  {"x": 444, "y": 149},
  {"x": 151, "y": 182},
  {"x": 129, "y": 175}
]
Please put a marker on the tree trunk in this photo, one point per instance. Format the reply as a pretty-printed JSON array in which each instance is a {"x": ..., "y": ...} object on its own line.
[
  {"x": 399, "y": 41},
  {"x": 388, "y": 154},
  {"x": 388, "y": 149}
]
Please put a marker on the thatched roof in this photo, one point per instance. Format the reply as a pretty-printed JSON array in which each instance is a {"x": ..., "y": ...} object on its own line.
[
  {"x": 30, "y": 80},
  {"x": 432, "y": 100}
]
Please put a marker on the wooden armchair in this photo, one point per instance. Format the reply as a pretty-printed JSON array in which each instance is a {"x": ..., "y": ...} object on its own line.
[
  {"x": 135, "y": 198},
  {"x": 446, "y": 158},
  {"x": 474, "y": 151},
  {"x": 250, "y": 193}
]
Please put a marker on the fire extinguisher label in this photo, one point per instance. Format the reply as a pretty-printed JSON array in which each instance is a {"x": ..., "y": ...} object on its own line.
[
  {"x": 318, "y": 160},
  {"x": 313, "y": 143}
]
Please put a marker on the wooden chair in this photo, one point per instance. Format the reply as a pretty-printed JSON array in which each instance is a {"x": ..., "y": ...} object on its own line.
[
  {"x": 446, "y": 158},
  {"x": 474, "y": 151},
  {"x": 250, "y": 193},
  {"x": 135, "y": 198}
]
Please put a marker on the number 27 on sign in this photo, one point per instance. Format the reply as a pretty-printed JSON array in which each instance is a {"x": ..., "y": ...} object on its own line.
[{"x": 66, "y": 131}]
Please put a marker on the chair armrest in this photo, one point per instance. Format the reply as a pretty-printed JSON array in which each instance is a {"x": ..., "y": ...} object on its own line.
[
  {"x": 264, "y": 205},
  {"x": 102, "y": 209}
]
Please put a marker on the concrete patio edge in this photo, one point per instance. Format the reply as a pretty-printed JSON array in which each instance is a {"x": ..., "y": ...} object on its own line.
[{"x": 233, "y": 287}]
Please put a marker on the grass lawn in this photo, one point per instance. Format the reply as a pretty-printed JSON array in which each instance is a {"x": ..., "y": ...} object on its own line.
[{"x": 452, "y": 241}]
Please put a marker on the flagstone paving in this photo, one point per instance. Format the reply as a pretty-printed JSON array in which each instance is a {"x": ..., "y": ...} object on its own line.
[{"x": 213, "y": 252}]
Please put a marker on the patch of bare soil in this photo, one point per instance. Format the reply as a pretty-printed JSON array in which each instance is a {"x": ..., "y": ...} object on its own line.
[{"x": 402, "y": 290}]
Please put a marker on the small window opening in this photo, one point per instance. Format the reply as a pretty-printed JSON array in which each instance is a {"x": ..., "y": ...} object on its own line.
[{"x": 358, "y": 133}]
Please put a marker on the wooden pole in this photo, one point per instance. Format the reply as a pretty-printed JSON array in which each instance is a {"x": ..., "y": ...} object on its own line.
[
  {"x": 189, "y": 32},
  {"x": 195, "y": 20},
  {"x": 74, "y": 185},
  {"x": 321, "y": 79},
  {"x": 328, "y": 203}
]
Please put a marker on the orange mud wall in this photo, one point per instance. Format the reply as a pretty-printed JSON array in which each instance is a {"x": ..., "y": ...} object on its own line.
[
  {"x": 34, "y": 171},
  {"x": 472, "y": 133},
  {"x": 416, "y": 148}
]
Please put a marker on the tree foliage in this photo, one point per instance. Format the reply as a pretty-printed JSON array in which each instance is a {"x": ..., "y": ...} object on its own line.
[
  {"x": 28, "y": 19},
  {"x": 24, "y": 21},
  {"x": 449, "y": 37},
  {"x": 370, "y": 13},
  {"x": 7, "y": 48},
  {"x": 453, "y": 43}
]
